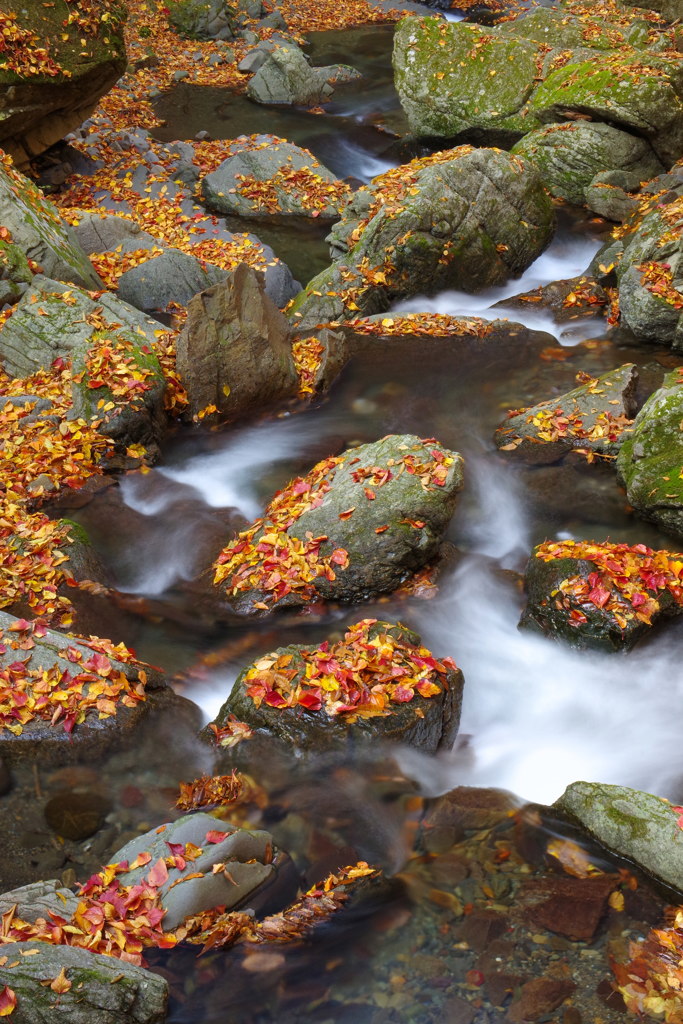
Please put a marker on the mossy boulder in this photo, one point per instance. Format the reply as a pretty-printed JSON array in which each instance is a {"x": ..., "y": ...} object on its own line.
[
  {"x": 639, "y": 826},
  {"x": 600, "y": 595},
  {"x": 102, "y": 989},
  {"x": 362, "y": 689},
  {"x": 355, "y": 526},
  {"x": 455, "y": 79},
  {"x": 416, "y": 229},
  {"x": 650, "y": 462},
  {"x": 55, "y": 70},
  {"x": 596, "y": 416},
  {"x": 15, "y": 272},
  {"x": 32, "y": 225},
  {"x": 570, "y": 156},
  {"x": 203, "y": 19}
]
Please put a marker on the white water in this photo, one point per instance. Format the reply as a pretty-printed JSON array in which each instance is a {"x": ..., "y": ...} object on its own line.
[
  {"x": 566, "y": 256},
  {"x": 360, "y": 163}
]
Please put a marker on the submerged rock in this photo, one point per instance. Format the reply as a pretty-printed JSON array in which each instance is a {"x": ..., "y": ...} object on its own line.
[
  {"x": 287, "y": 77},
  {"x": 377, "y": 684},
  {"x": 356, "y": 525},
  {"x": 98, "y": 990},
  {"x": 32, "y": 223},
  {"x": 650, "y": 461},
  {"x": 416, "y": 229},
  {"x": 639, "y": 826},
  {"x": 234, "y": 353},
  {"x": 601, "y": 595},
  {"x": 594, "y": 417},
  {"x": 270, "y": 176}
]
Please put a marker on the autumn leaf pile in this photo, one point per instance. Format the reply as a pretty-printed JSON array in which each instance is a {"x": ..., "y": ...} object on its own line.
[
  {"x": 20, "y": 53},
  {"x": 437, "y": 325},
  {"x": 59, "y": 695},
  {"x": 626, "y": 581},
  {"x": 361, "y": 676},
  {"x": 314, "y": 193},
  {"x": 657, "y": 277},
  {"x": 307, "y": 354},
  {"x": 651, "y": 982}
]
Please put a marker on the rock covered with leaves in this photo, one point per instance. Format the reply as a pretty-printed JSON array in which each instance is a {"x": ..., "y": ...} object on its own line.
[
  {"x": 269, "y": 176},
  {"x": 595, "y": 417},
  {"x": 356, "y": 525},
  {"x": 650, "y": 462},
  {"x": 39, "y": 980},
  {"x": 415, "y": 229},
  {"x": 645, "y": 829},
  {"x": 601, "y": 595},
  {"x": 378, "y": 683}
]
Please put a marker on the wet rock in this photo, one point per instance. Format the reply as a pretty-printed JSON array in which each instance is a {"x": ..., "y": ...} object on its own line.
[
  {"x": 331, "y": 352},
  {"x": 356, "y": 525},
  {"x": 568, "y": 299},
  {"x": 88, "y": 740},
  {"x": 416, "y": 230},
  {"x": 38, "y": 899},
  {"x": 39, "y": 109},
  {"x": 280, "y": 697},
  {"x": 539, "y": 997},
  {"x": 298, "y": 185},
  {"x": 287, "y": 77},
  {"x": 632, "y": 824},
  {"x": 600, "y": 595},
  {"x": 574, "y": 156},
  {"x": 650, "y": 460},
  {"x": 174, "y": 276},
  {"x": 39, "y": 233},
  {"x": 596, "y": 416},
  {"x": 482, "y": 927},
  {"x": 76, "y": 815},
  {"x": 464, "y": 808},
  {"x": 234, "y": 351},
  {"x": 51, "y": 321},
  {"x": 247, "y": 857},
  {"x": 103, "y": 989},
  {"x": 568, "y": 906}
]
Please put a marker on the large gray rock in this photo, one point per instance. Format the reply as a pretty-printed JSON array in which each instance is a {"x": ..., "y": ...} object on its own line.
[
  {"x": 246, "y": 858},
  {"x": 571, "y": 156},
  {"x": 287, "y": 77},
  {"x": 203, "y": 19},
  {"x": 299, "y": 184},
  {"x": 287, "y": 695},
  {"x": 649, "y": 463},
  {"x": 638, "y": 826},
  {"x": 64, "y": 658},
  {"x": 36, "y": 228},
  {"x": 53, "y": 321},
  {"x": 355, "y": 526},
  {"x": 174, "y": 276},
  {"x": 104, "y": 232},
  {"x": 594, "y": 417},
  {"x": 234, "y": 351},
  {"x": 103, "y": 989},
  {"x": 466, "y": 219}
]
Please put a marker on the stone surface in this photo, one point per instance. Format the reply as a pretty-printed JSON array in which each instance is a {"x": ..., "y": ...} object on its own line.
[
  {"x": 593, "y": 417},
  {"x": 97, "y": 233},
  {"x": 38, "y": 899},
  {"x": 278, "y": 162},
  {"x": 104, "y": 989},
  {"x": 287, "y": 77},
  {"x": 203, "y": 19},
  {"x": 234, "y": 351},
  {"x": 174, "y": 276},
  {"x": 428, "y": 234},
  {"x": 638, "y": 826},
  {"x": 247, "y": 856},
  {"x": 41, "y": 235}
]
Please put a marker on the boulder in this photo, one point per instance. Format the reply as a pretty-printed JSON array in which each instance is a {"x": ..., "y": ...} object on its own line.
[
  {"x": 640, "y": 827},
  {"x": 246, "y": 859},
  {"x": 234, "y": 351},
  {"x": 55, "y": 69},
  {"x": 53, "y": 321},
  {"x": 38, "y": 899},
  {"x": 32, "y": 223},
  {"x": 287, "y": 77},
  {"x": 574, "y": 156},
  {"x": 270, "y": 176},
  {"x": 377, "y": 684},
  {"x": 203, "y": 19},
  {"x": 594, "y": 417},
  {"x": 416, "y": 229},
  {"x": 100, "y": 990},
  {"x": 649, "y": 463},
  {"x": 15, "y": 272},
  {"x": 103, "y": 232},
  {"x": 174, "y": 276},
  {"x": 356, "y": 525},
  {"x": 601, "y": 595},
  {"x": 110, "y": 695}
]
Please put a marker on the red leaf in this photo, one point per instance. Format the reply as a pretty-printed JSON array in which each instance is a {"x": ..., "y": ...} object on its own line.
[
  {"x": 8, "y": 1001},
  {"x": 158, "y": 874},
  {"x": 214, "y": 836}
]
